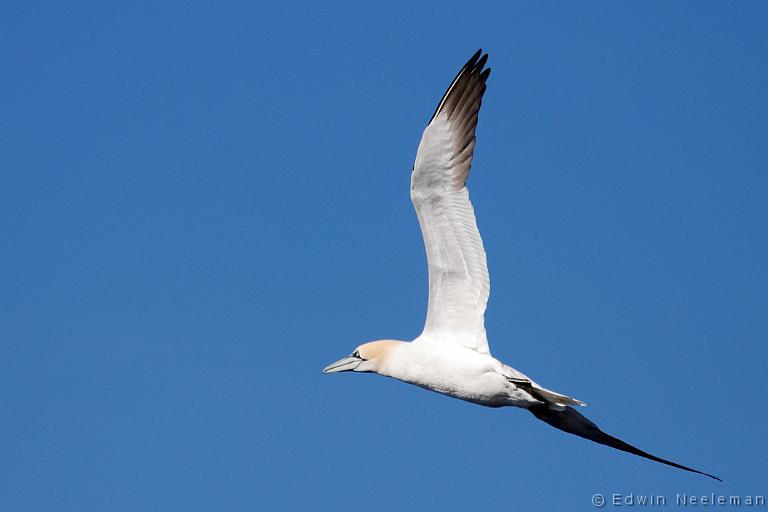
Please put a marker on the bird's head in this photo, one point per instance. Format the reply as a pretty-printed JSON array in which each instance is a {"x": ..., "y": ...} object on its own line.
[{"x": 368, "y": 357}]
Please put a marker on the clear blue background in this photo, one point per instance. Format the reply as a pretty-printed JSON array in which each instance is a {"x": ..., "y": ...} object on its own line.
[{"x": 203, "y": 204}]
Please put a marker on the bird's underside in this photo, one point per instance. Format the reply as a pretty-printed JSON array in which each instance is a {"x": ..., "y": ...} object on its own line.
[
  {"x": 451, "y": 356},
  {"x": 484, "y": 380}
]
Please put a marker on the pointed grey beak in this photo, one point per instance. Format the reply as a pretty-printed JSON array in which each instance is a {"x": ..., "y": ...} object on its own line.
[{"x": 343, "y": 365}]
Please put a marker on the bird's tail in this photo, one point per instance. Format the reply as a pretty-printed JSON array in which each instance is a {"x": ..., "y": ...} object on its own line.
[
  {"x": 540, "y": 393},
  {"x": 570, "y": 420}
]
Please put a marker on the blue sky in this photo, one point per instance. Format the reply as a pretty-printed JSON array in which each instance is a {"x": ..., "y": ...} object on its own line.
[{"x": 203, "y": 204}]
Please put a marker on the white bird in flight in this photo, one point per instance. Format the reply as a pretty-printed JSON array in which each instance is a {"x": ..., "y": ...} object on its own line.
[{"x": 451, "y": 355}]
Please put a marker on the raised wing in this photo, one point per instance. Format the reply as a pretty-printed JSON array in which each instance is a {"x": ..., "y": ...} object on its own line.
[{"x": 458, "y": 274}]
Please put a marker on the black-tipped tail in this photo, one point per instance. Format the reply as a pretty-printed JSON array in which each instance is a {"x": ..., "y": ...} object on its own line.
[{"x": 571, "y": 421}]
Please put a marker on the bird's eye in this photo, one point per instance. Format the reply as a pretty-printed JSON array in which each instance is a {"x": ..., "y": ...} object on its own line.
[{"x": 356, "y": 354}]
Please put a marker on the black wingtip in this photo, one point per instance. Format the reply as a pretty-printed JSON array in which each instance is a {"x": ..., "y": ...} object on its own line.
[
  {"x": 573, "y": 422},
  {"x": 474, "y": 65},
  {"x": 481, "y": 63}
]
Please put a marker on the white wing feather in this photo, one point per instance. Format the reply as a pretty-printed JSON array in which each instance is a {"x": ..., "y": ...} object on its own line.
[{"x": 458, "y": 274}]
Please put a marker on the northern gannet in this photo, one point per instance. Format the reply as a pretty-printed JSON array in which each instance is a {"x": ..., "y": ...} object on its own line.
[{"x": 451, "y": 355}]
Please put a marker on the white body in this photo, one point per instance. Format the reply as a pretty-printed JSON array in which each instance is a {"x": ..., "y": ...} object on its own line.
[{"x": 456, "y": 371}]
